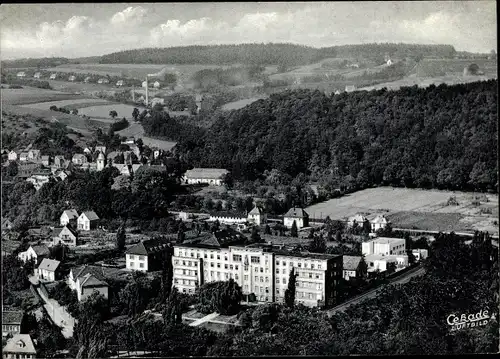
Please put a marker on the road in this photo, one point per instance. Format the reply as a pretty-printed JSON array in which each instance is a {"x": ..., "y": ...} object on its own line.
[
  {"x": 373, "y": 292},
  {"x": 466, "y": 234}
]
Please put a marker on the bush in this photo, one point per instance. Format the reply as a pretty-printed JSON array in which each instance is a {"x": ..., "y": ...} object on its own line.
[{"x": 119, "y": 125}]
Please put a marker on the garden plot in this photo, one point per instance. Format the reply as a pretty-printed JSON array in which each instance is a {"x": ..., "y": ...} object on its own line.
[{"x": 73, "y": 103}]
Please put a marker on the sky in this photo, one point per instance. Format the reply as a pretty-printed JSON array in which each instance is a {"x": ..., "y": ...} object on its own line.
[{"x": 92, "y": 29}]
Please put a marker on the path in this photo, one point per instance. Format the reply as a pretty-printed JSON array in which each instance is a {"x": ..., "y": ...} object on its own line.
[
  {"x": 373, "y": 292},
  {"x": 205, "y": 319}
]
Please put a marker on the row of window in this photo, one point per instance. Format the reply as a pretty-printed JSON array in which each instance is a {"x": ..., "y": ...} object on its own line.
[
  {"x": 11, "y": 327},
  {"x": 185, "y": 281},
  {"x": 132, "y": 265},
  {"x": 220, "y": 275},
  {"x": 186, "y": 263},
  {"x": 188, "y": 272},
  {"x": 299, "y": 264},
  {"x": 140, "y": 258}
]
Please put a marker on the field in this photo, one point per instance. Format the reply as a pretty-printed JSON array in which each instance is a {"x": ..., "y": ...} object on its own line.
[
  {"x": 136, "y": 130},
  {"x": 440, "y": 67},
  {"x": 415, "y": 209},
  {"x": 102, "y": 111},
  {"x": 29, "y": 95},
  {"x": 70, "y": 104},
  {"x": 240, "y": 104}
]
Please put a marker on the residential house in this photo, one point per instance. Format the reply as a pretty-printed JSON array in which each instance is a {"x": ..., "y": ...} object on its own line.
[
  {"x": 61, "y": 175},
  {"x": 157, "y": 153},
  {"x": 19, "y": 346},
  {"x": 381, "y": 262},
  {"x": 48, "y": 270},
  {"x": 128, "y": 141},
  {"x": 101, "y": 149},
  {"x": 257, "y": 216},
  {"x": 12, "y": 156},
  {"x": 53, "y": 76},
  {"x": 6, "y": 224},
  {"x": 39, "y": 178},
  {"x": 86, "y": 280},
  {"x": 21, "y": 74},
  {"x": 357, "y": 219},
  {"x": 420, "y": 254},
  {"x": 350, "y": 88},
  {"x": 352, "y": 267},
  {"x": 157, "y": 100},
  {"x": 72, "y": 78},
  {"x": 147, "y": 255},
  {"x": 37, "y": 75},
  {"x": 100, "y": 162},
  {"x": 125, "y": 169},
  {"x": 385, "y": 246},
  {"x": 45, "y": 160},
  {"x": 297, "y": 215},
  {"x": 26, "y": 169},
  {"x": 228, "y": 217},
  {"x": 389, "y": 62},
  {"x": 337, "y": 92},
  {"x": 12, "y": 321},
  {"x": 23, "y": 156},
  {"x": 79, "y": 159},
  {"x": 87, "y": 150},
  {"x": 87, "y": 79},
  {"x": 156, "y": 85},
  {"x": 35, "y": 252},
  {"x": 34, "y": 155},
  {"x": 90, "y": 166},
  {"x": 144, "y": 84},
  {"x": 69, "y": 216},
  {"x": 379, "y": 222},
  {"x": 65, "y": 235},
  {"x": 103, "y": 81},
  {"x": 59, "y": 161},
  {"x": 88, "y": 220},
  {"x": 120, "y": 83},
  {"x": 211, "y": 176}
]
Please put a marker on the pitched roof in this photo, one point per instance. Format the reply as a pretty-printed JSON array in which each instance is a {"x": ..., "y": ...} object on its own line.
[
  {"x": 79, "y": 155},
  {"x": 91, "y": 215},
  {"x": 89, "y": 280},
  {"x": 20, "y": 343},
  {"x": 12, "y": 317},
  {"x": 380, "y": 219},
  {"x": 71, "y": 213},
  {"x": 359, "y": 218},
  {"x": 295, "y": 212},
  {"x": 207, "y": 173},
  {"x": 82, "y": 271},
  {"x": 41, "y": 250},
  {"x": 351, "y": 262},
  {"x": 49, "y": 264},
  {"x": 256, "y": 211},
  {"x": 231, "y": 214},
  {"x": 147, "y": 247}
]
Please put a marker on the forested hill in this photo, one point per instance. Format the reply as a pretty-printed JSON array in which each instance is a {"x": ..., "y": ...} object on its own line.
[
  {"x": 442, "y": 137},
  {"x": 272, "y": 54}
]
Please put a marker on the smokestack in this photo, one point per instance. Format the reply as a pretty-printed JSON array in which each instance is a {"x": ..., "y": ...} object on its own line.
[
  {"x": 133, "y": 93},
  {"x": 147, "y": 92}
]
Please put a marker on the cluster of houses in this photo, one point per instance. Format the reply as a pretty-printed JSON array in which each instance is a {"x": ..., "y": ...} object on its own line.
[{"x": 71, "y": 78}]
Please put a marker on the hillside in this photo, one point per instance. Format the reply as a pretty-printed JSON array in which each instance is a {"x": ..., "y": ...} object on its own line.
[{"x": 442, "y": 137}]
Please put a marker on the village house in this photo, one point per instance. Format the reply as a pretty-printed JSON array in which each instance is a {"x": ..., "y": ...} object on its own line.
[
  {"x": 53, "y": 76},
  {"x": 12, "y": 321},
  {"x": 21, "y": 74},
  {"x": 128, "y": 141},
  {"x": 12, "y": 156},
  {"x": 86, "y": 280},
  {"x": 23, "y": 156},
  {"x": 380, "y": 262},
  {"x": 79, "y": 159},
  {"x": 357, "y": 219},
  {"x": 34, "y": 252},
  {"x": 125, "y": 169},
  {"x": 39, "y": 178},
  {"x": 37, "y": 75},
  {"x": 211, "y": 176},
  {"x": 34, "y": 155},
  {"x": 61, "y": 174},
  {"x": 101, "y": 149},
  {"x": 48, "y": 270},
  {"x": 65, "y": 235},
  {"x": 87, "y": 220},
  {"x": 89, "y": 166},
  {"x": 146, "y": 256},
  {"x": 257, "y": 216},
  {"x": 69, "y": 216},
  {"x": 45, "y": 160},
  {"x": 19, "y": 346},
  {"x": 157, "y": 100},
  {"x": 87, "y": 150},
  {"x": 420, "y": 254},
  {"x": 156, "y": 85},
  {"x": 72, "y": 78},
  {"x": 6, "y": 224},
  {"x": 379, "y": 222},
  {"x": 100, "y": 162},
  {"x": 103, "y": 81},
  {"x": 59, "y": 161},
  {"x": 119, "y": 83},
  {"x": 350, "y": 88},
  {"x": 352, "y": 267},
  {"x": 297, "y": 215},
  {"x": 87, "y": 79}
]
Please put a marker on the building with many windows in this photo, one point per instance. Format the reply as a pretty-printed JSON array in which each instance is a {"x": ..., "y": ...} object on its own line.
[
  {"x": 146, "y": 256},
  {"x": 384, "y": 245},
  {"x": 261, "y": 270}
]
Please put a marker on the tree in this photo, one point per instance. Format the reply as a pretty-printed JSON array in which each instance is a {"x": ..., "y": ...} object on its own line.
[
  {"x": 113, "y": 114},
  {"x": 267, "y": 229},
  {"x": 172, "y": 312},
  {"x": 223, "y": 297},
  {"x": 317, "y": 245},
  {"x": 120, "y": 238},
  {"x": 135, "y": 113},
  {"x": 293, "y": 230},
  {"x": 290, "y": 291},
  {"x": 255, "y": 237},
  {"x": 311, "y": 234},
  {"x": 75, "y": 111}
]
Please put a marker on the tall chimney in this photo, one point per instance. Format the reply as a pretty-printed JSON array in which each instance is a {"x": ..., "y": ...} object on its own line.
[
  {"x": 147, "y": 92},
  {"x": 133, "y": 93}
]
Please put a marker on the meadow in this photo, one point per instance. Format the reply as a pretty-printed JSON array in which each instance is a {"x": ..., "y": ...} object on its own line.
[
  {"x": 70, "y": 104},
  {"x": 416, "y": 208},
  {"x": 30, "y": 95},
  {"x": 241, "y": 103}
]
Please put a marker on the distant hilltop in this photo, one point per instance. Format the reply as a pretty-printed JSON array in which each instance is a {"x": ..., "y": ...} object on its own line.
[{"x": 248, "y": 54}]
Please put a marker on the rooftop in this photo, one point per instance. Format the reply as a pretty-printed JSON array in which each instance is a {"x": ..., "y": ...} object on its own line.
[
  {"x": 148, "y": 246},
  {"x": 20, "y": 343},
  {"x": 91, "y": 215},
  {"x": 12, "y": 317},
  {"x": 206, "y": 173},
  {"x": 387, "y": 240},
  {"x": 374, "y": 257},
  {"x": 41, "y": 250},
  {"x": 351, "y": 262},
  {"x": 296, "y": 212},
  {"x": 81, "y": 271},
  {"x": 71, "y": 213},
  {"x": 49, "y": 264}
]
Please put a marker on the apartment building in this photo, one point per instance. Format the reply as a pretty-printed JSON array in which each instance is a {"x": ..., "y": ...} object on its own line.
[
  {"x": 384, "y": 245},
  {"x": 260, "y": 269}
]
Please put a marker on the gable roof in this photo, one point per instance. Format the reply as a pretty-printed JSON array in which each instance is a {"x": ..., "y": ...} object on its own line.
[
  {"x": 148, "y": 246},
  {"x": 12, "y": 317},
  {"x": 206, "y": 173},
  {"x": 57, "y": 231},
  {"x": 295, "y": 212},
  {"x": 380, "y": 219},
  {"x": 358, "y": 218},
  {"x": 91, "y": 215},
  {"x": 71, "y": 213},
  {"x": 79, "y": 155},
  {"x": 20, "y": 343},
  {"x": 351, "y": 262},
  {"x": 256, "y": 211},
  {"x": 49, "y": 264},
  {"x": 41, "y": 250},
  {"x": 82, "y": 271},
  {"x": 89, "y": 280}
]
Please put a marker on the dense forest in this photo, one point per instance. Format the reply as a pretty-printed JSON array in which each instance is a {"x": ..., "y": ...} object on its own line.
[
  {"x": 437, "y": 137},
  {"x": 276, "y": 54}
]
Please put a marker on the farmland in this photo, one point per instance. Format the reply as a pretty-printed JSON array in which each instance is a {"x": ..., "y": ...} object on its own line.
[
  {"x": 70, "y": 104},
  {"x": 29, "y": 95},
  {"x": 416, "y": 209},
  {"x": 240, "y": 104}
]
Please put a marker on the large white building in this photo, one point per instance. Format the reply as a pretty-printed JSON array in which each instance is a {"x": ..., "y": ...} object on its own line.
[
  {"x": 379, "y": 222},
  {"x": 211, "y": 176},
  {"x": 381, "y": 261},
  {"x": 255, "y": 216},
  {"x": 261, "y": 270},
  {"x": 297, "y": 215},
  {"x": 385, "y": 246}
]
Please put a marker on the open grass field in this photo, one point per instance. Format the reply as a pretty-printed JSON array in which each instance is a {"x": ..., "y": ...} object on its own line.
[
  {"x": 102, "y": 111},
  {"x": 136, "y": 130},
  {"x": 30, "y": 95},
  {"x": 416, "y": 209},
  {"x": 70, "y": 104},
  {"x": 440, "y": 67},
  {"x": 240, "y": 104}
]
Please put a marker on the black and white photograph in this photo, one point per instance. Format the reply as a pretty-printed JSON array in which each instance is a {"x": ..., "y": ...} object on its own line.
[{"x": 249, "y": 179}]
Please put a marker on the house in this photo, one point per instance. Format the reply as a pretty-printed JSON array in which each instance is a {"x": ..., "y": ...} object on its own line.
[
  {"x": 45, "y": 160},
  {"x": 12, "y": 156},
  {"x": 68, "y": 216},
  {"x": 385, "y": 246},
  {"x": 19, "y": 346},
  {"x": 101, "y": 149},
  {"x": 125, "y": 169},
  {"x": 389, "y": 62},
  {"x": 72, "y": 78},
  {"x": 79, "y": 159},
  {"x": 420, "y": 254},
  {"x": 59, "y": 161},
  {"x": 90, "y": 166},
  {"x": 39, "y": 178},
  {"x": 87, "y": 79},
  {"x": 61, "y": 175},
  {"x": 147, "y": 255},
  {"x": 6, "y": 224},
  {"x": 351, "y": 267},
  {"x": 12, "y": 321},
  {"x": 26, "y": 169},
  {"x": 103, "y": 81},
  {"x": 379, "y": 222},
  {"x": 33, "y": 155},
  {"x": 21, "y": 74},
  {"x": 257, "y": 216},
  {"x": 34, "y": 252},
  {"x": 157, "y": 153},
  {"x": 211, "y": 176},
  {"x": 381, "y": 262},
  {"x": 228, "y": 217},
  {"x": 65, "y": 235},
  {"x": 156, "y": 85},
  {"x": 350, "y": 88},
  {"x": 119, "y": 83},
  {"x": 53, "y": 76},
  {"x": 87, "y": 280},
  {"x": 337, "y": 92},
  {"x": 357, "y": 219},
  {"x": 23, "y": 156},
  {"x": 88, "y": 220},
  {"x": 100, "y": 161},
  {"x": 157, "y": 100},
  {"x": 48, "y": 270},
  {"x": 87, "y": 150},
  {"x": 37, "y": 75},
  {"x": 144, "y": 84},
  {"x": 297, "y": 215},
  {"x": 128, "y": 141}
]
